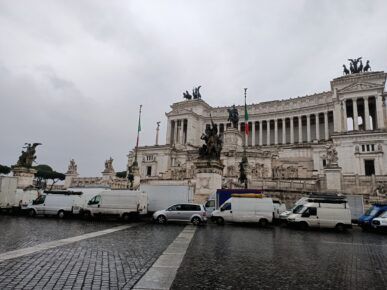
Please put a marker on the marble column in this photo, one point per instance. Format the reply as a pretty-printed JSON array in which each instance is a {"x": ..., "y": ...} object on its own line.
[
  {"x": 275, "y": 131},
  {"x": 317, "y": 126},
  {"x": 344, "y": 104},
  {"x": 355, "y": 115},
  {"x": 253, "y": 133},
  {"x": 379, "y": 112},
  {"x": 308, "y": 135},
  {"x": 299, "y": 129},
  {"x": 291, "y": 130},
  {"x": 175, "y": 133},
  {"x": 169, "y": 126},
  {"x": 283, "y": 131},
  {"x": 268, "y": 132},
  {"x": 260, "y": 132},
  {"x": 326, "y": 128},
  {"x": 366, "y": 114}
]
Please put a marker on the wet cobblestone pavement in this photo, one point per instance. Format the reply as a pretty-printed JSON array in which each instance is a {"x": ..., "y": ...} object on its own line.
[
  {"x": 113, "y": 261},
  {"x": 240, "y": 257},
  {"x": 21, "y": 231},
  {"x": 218, "y": 257}
]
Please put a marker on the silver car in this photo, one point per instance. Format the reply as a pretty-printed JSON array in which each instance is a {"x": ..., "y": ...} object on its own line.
[{"x": 188, "y": 212}]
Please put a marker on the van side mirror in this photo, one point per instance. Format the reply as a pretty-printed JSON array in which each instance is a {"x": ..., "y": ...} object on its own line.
[
  {"x": 221, "y": 209},
  {"x": 305, "y": 214}
]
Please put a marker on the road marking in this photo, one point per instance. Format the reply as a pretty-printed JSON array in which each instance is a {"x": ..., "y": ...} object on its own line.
[
  {"x": 354, "y": 244},
  {"x": 53, "y": 244},
  {"x": 163, "y": 271}
]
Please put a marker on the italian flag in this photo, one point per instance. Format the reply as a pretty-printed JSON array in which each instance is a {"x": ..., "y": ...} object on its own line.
[{"x": 247, "y": 129}]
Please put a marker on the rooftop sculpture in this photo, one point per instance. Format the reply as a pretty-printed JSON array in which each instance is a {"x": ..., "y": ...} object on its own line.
[
  {"x": 356, "y": 66},
  {"x": 195, "y": 94}
]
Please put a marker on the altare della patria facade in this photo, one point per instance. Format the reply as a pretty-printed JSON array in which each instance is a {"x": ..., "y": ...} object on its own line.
[{"x": 329, "y": 141}]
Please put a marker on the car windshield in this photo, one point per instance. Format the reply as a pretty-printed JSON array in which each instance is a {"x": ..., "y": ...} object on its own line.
[
  {"x": 383, "y": 215},
  {"x": 372, "y": 211}
]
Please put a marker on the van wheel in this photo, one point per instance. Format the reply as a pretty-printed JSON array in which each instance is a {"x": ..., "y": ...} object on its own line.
[
  {"x": 31, "y": 213},
  {"x": 127, "y": 217},
  {"x": 86, "y": 215},
  {"x": 340, "y": 228},
  {"x": 303, "y": 226},
  {"x": 196, "y": 221},
  {"x": 263, "y": 223},
  {"x": 61, "y": 214},
  {"x": 161, "y": 219},
  {"x": 219, "y": 221}
]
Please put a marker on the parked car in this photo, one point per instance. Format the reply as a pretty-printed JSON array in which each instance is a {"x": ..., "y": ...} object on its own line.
[
  {"x": 380, "y": 223},
  {"x": 365, "y": 221},
  {"x": 50, "y": 203},
  {"x": 245, "y": 208},
  {"x": 322, "y": 215},
  {"x": 126, "y": 204},
  {"x": 185, "y": 212}
]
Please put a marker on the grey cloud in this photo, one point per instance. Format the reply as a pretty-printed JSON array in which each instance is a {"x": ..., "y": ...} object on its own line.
[{"x": 73, "y": 73}]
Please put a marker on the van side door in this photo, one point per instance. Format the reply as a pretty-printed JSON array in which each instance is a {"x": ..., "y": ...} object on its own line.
[{"x": 313, "y": 217}]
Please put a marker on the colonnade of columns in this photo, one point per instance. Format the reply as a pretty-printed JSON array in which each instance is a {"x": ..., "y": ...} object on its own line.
[
  {"x": 288, "y": 130},
  {"x": 362, "y": 113},
  {"x": 178, "y": 131}
]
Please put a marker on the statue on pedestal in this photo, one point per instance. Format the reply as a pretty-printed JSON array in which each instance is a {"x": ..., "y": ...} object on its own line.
[
  {"x": 213, "y": 143},
  {"x": 331, "y": 156},
  {"x": 233, "y": 116},
  {"x": 27, "y": 157}
]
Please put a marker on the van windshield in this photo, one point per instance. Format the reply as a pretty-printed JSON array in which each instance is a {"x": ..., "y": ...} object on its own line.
[
  {"x": 226, "y": 206},
  {"x": 297, "y": 208},
  {"x": 302, "y": 209},
  {"x": 39, "y": 200}
]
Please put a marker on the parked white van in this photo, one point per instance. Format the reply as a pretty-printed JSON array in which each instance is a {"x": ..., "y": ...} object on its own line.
[
  {"x": 251, "y": 208},
  {"x": 60, "y": 204},
  {"x": 322, "y": 215},
  {"x": 125, "y": 204}
]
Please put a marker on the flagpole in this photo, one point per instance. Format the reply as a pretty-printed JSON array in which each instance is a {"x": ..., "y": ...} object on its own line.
[
  {"x": 138, "y": 137},
  {"x": 246, "y": 122},
  {"x": 247, "y": 129}
]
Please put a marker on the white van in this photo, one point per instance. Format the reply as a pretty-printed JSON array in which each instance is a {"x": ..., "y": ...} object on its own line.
[
  {"x": 123, "y": 203},
  {"x": 279, "y": 208},
  {"x": 252, "y": 208},
  {"x": 60, "y": 204},
  {"x": 322, "y": 215}
]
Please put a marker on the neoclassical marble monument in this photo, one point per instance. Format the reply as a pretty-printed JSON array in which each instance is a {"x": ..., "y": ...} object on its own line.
[{"x": 288, "y": 140}]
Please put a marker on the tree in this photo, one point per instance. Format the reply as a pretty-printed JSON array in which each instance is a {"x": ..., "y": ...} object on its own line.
[
  {"x": 5, "y": 169},
  {"x": 121, "y": 174},
  {"x": 44, "y": 173}
]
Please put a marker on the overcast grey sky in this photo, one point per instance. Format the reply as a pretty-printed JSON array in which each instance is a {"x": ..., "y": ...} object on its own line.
[{"x": 73, "y": 73}]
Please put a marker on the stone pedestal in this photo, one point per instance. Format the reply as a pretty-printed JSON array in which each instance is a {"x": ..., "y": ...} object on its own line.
[
  {"x": 333, "y": 179},
  {"x": 69, "y": 179},
  {"x": 208, "y": 179},
  {"x": 25, "y": 176},
  {"x": 232, "y": 140},
  {"x": 136, "y": 175}
]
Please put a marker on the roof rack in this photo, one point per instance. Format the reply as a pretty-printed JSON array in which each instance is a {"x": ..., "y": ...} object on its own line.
[{"x": 66, "y": 192}]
